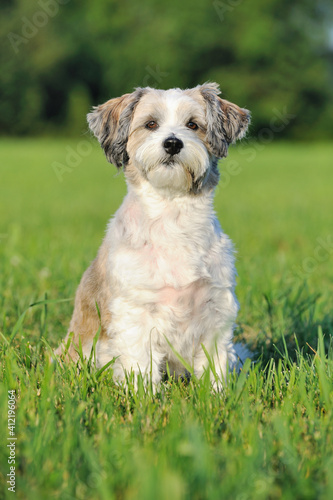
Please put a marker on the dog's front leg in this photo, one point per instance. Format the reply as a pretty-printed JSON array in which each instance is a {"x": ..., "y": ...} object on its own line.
[{"x": 136, "y": 356}]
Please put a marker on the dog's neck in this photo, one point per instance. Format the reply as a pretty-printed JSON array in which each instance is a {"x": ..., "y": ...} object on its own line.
[
  {"x": 147, "y": 216},
  {"x": 161, "y": 203}
]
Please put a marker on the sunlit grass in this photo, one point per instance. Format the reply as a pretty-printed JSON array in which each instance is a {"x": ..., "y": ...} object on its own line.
[{"x": 268, "y": 435}]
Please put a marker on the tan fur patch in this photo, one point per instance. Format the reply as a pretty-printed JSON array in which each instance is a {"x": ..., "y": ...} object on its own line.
[{"x": 85, "y": 322}]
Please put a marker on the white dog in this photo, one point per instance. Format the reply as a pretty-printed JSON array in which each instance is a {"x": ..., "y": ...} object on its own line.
[{"x": 164, "y": 275}]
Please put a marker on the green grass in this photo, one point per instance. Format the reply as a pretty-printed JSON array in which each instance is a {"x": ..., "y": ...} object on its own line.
[{"x": 79, "y": 436}]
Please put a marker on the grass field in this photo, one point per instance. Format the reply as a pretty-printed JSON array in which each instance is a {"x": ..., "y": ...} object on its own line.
[{"x": 79, "y": 436}]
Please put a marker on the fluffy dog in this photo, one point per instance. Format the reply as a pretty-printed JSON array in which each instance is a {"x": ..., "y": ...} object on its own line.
[{"x": 164, "y": 275}]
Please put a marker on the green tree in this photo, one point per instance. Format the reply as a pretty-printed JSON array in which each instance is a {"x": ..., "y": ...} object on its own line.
[{"x": 272, "y": 57}]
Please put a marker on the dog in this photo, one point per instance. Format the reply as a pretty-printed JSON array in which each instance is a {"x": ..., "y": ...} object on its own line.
[{"x": 164, "y": 276}]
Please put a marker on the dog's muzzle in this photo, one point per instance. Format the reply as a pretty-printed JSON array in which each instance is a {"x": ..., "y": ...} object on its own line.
[{"x": 173, "y": 145}]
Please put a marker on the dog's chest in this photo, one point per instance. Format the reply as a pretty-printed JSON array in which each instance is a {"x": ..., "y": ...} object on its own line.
[
  {"x": 171, "y": 251},
  {"x": 171, "y": 266}
]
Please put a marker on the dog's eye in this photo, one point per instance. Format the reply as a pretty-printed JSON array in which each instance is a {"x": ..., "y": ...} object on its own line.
[
  {"x": 151, "y": 125},
  {"x": 192, "y": 125}
]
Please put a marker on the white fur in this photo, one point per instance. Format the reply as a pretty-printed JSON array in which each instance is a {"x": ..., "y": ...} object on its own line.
[
  {"x": 174, "y": 270},
  {"x": 150, "y": 155},
  {"x": 170, "y": 268}
]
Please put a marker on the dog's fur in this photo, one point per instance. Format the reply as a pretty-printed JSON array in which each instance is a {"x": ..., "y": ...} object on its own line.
[{"x": 164, "y": 274}]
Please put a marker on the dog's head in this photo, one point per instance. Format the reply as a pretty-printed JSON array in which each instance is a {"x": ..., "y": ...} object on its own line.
[{"x": 170, "y": 138}]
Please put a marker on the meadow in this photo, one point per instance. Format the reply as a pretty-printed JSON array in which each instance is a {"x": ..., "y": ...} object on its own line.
[{"x": 268, "y": 435}]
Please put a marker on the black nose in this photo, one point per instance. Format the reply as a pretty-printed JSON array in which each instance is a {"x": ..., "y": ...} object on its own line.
[{"x": 172, "y": 145}]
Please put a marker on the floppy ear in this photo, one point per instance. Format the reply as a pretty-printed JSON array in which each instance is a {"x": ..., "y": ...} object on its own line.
[
  {"x": 226, "y": 122},
  {"x": 110, "y": 123}
]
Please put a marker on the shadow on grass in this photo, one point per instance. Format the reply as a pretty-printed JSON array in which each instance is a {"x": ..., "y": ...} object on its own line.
[{"x": 288, "y": 318}]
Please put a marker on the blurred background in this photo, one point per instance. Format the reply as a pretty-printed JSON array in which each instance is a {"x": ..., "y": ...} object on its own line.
[{"x": 60, "y": 57}]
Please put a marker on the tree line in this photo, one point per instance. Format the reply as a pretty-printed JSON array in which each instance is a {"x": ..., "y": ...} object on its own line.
[{"x": 60, "y": 57}]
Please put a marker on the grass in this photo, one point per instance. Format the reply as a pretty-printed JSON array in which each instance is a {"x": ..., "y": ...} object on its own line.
[{"x": 79, "y": 436}]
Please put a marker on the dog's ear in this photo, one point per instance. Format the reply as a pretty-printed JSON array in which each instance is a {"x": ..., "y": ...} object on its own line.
[
  {"x": 226, "y": 122},
  {"x": 110, "y": 123}
]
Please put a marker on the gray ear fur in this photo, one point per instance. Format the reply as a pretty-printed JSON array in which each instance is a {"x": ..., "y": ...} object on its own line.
[
  {"x": 110, "y": 123},
  {"x": 226, "y": 122}
]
